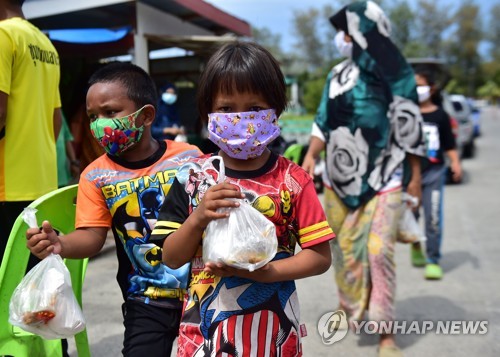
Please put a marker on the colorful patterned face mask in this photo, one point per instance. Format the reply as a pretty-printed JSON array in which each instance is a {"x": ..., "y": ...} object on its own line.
[
  {"x": 243, "y": 135},
  {"x": 116, "y": 135}
]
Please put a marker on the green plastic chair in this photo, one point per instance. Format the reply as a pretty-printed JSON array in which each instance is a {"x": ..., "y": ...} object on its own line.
[
  {"x": 294, "y": 152},
  {"x": 59, "y": 208}
]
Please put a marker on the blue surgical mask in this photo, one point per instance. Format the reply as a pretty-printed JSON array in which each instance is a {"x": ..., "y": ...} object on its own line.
[{"x": 169, "y": 98}]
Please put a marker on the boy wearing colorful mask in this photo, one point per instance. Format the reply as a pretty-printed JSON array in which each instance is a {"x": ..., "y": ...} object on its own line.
[
  {"x": 123, "y": 190},
  {"x": 229, "y": 310},
  {"x": 439, "y": 141}
]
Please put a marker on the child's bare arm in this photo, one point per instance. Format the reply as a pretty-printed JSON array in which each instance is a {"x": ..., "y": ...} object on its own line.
[
  {"x": 455, "y": 166},
  {"x": 181, "y": 246},
  {"x": 81, "y": 243},
  {"x": 308, "y": 262}
]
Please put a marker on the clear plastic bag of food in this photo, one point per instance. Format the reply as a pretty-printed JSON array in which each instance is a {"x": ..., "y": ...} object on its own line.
[
  {"x": 409, "y": 230},
  {"x": 245, "y": 240},
  {"x": 44, "y": 303}
]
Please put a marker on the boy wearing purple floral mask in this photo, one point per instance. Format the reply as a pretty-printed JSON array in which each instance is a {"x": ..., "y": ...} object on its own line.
[{"x": 229, "y": 310}]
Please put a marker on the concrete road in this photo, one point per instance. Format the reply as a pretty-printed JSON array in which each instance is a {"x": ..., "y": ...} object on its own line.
[{"x": 470, "y": 289}]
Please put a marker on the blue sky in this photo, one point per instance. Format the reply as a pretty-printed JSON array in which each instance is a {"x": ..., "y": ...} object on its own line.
[{"x": 277, "y": 15}]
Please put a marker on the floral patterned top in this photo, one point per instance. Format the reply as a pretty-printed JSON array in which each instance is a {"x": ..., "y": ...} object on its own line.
[{"x": 368, "y": 113}]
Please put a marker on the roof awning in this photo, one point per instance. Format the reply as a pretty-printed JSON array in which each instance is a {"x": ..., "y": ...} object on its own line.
[
  {"x": 200, "y": 45},
  {"x": 89, "y": 36},
  {"x": 204, "y": 15},
  {"x": 74, "y": 14},
  {"x": 133, "y": 27},
  {"x": 436, "y": 65}
]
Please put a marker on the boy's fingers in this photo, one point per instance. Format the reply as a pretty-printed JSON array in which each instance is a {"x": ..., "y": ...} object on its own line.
[
  {"x": 47, "y": 227},
  {"x": 41, "y": 248},
  {"x": 215, "y": 204},
  {"x": 41, "y": 242},
  {"x": 226, "y": 193},
  {"x": 215, "y": 215},
  {"x": 36, "y": 239},
  {"x": 226, "y": 186},
  {"x": 31, "y": 232}
]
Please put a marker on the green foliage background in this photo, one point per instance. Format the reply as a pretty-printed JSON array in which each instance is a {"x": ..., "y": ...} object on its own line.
[{"x": 454, "y": 31}]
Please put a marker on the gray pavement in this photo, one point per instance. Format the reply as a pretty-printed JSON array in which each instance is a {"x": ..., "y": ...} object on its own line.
[{"x": 469, "y": 291}]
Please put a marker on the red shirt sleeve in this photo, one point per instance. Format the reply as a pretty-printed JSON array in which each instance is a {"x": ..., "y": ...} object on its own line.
[{"x": 313, "y": 226}]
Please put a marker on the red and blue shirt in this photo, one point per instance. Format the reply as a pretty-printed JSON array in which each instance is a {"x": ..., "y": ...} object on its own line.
[{"x": 224, "y": 315}]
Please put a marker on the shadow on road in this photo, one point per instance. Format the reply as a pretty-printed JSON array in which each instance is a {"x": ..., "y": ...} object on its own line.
[
  {"x": 452, "y": 260},
  {"x": 424, "y": 308},
  {"x": 431, "y": 308}
]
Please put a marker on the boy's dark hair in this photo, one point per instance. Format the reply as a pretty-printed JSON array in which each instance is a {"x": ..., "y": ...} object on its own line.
[
  {"x": 427, "y": 73},
  {"x": 140, "y": 86},
  {"x": 245, "y": 67},
  {"x": 431, "y": 78},
  {"x": 16, "y": 2}
]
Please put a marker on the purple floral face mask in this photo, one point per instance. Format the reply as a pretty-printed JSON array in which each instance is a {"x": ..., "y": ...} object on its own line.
[{"x": 243, "y": 135}]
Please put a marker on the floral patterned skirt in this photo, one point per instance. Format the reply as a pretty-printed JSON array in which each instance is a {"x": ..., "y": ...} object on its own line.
[{"x": 363, "y": 254}]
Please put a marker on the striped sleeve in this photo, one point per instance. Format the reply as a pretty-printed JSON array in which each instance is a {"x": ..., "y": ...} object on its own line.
[
  {"x": 313, "y": 226},
  {"x": 173, "y": 213},
  {"x": 164, "y": 228},
  {"x": 317, "y": 233}
]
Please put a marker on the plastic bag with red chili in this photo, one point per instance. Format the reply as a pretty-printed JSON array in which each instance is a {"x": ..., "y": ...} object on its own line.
[{"x": 44, "y": 303}]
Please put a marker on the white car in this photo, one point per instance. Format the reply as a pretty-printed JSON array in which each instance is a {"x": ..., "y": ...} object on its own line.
[{"x": 463, "y": 114}]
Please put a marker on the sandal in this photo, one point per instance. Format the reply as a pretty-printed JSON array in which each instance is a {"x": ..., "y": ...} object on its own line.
[
  {"x": 390, "y": 351},
  {"x": 417, "y": 257},
  {"x": 433, "y": 272}
]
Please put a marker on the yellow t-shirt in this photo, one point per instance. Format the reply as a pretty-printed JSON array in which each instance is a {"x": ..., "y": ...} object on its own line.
[{"x": 29, "y": 75}]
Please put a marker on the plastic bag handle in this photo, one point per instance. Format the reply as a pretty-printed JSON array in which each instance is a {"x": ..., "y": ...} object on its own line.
[
  {"x": 208, "y": 164},
  {"x": 409, "y": 199},
  {"x": 29, "y": 216}
]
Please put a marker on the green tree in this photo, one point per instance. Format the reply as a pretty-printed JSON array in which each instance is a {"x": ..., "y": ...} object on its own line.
[
  {"x": 328, "y": 33},
  {"x": 265, "y": 37},
  {"x": 489, "y": 90},
  {"x": 432, "y": 21},
  {"x": 491, "y": 70},
  {"x": 308, "y": 41},
  {"x": 271, "y": 41},
  {"x": 463, "y": 50},
  {"x": 454, "y": 86},
  {"x": 402, "y": 20},
  {"x": 313, "y": 90},
  {"x": 493, "y": 32}
]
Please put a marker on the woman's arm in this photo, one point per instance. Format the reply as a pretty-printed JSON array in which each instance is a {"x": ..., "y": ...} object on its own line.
[
  {"x": 415, "y": 185},
  {"x": 316, "y": 145},
  {"x": 455, "y": 166}
]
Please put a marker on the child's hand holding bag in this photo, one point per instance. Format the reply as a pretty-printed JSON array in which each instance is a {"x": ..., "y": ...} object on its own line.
[
  {"x": 44, "y": 303},
  {"x": 245, "y": 240},
  {"x": 409, "y": 231}
]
